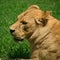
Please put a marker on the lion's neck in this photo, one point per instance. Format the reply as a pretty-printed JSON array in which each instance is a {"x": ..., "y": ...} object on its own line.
[{"x": 39, "y": 35}]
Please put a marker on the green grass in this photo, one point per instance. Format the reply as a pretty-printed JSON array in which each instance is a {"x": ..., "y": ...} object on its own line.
[{"x": 9, "y": 10}]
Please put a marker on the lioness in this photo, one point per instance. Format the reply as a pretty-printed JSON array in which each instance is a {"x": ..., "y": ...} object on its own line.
[{"x": 42, "y": 30}]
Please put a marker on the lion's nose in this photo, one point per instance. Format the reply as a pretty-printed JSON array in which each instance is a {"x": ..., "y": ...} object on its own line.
[{"x": 12, "y": 30}]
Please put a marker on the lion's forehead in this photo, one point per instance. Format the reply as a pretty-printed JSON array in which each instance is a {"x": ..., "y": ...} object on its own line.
[
  {"x": 31, "y": 14},
  {"x": 34, "y": 13}
]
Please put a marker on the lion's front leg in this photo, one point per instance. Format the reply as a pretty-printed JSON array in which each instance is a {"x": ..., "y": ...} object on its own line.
[{"x": 35, "y": 55}]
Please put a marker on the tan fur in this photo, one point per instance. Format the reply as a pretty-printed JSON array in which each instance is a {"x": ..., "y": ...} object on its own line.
[{"x": 42, "y": 30}]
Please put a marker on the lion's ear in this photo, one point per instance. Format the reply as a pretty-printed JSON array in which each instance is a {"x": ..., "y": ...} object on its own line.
[
  {"x": 41, "y": 21},
  {"x": 34, "y": 6}
]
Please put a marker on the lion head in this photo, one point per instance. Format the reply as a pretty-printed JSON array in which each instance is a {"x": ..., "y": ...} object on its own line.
[{"x": 28, "y": 22}]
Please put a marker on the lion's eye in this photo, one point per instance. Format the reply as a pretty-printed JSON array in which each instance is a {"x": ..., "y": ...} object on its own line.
[{"x": 23, "y": 22}]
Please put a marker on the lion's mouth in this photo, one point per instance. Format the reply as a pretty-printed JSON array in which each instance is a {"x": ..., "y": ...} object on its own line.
[{"x": 18, "y": 39}]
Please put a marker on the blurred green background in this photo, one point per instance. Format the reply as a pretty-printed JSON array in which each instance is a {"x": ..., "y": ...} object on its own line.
[{"x": 9, "y": 10}]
